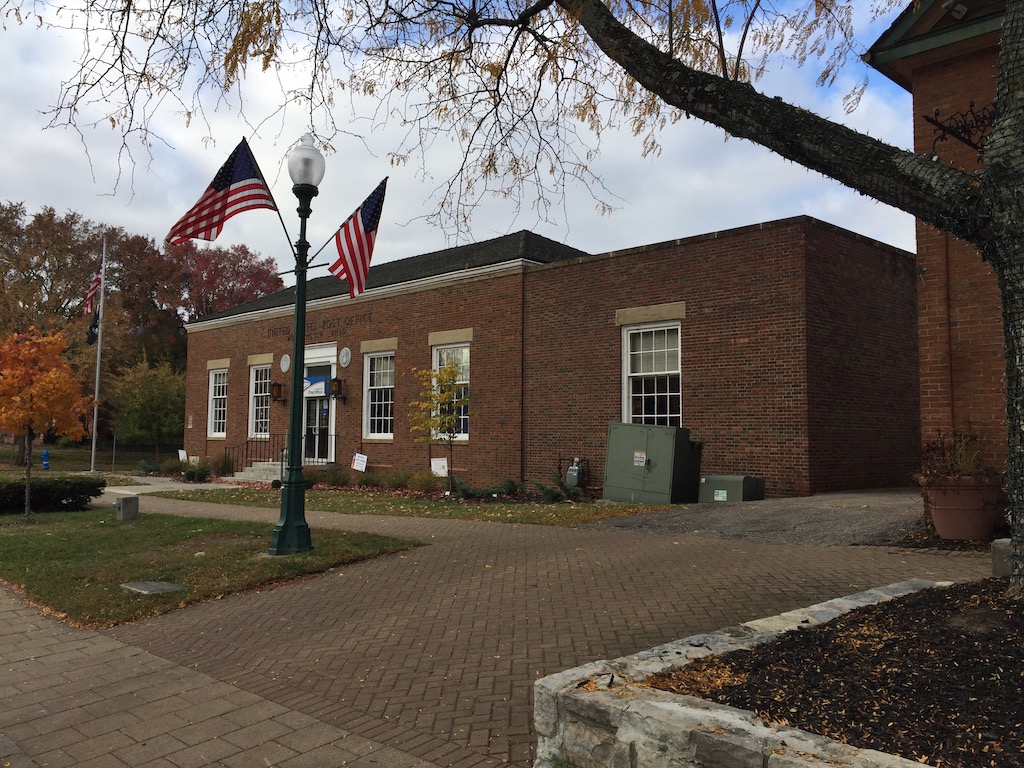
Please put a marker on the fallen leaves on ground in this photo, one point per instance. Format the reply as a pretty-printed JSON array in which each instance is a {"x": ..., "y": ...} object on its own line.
[{"x": 936, "y": 676}]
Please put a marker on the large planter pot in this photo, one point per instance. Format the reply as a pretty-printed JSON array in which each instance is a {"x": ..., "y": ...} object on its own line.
[{"x": 964, "y": 508}]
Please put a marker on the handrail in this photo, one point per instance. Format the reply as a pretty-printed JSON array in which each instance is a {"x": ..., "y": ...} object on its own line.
[
  {"x": 255, "y": 449},
  {"x": 264, "y": 448}
]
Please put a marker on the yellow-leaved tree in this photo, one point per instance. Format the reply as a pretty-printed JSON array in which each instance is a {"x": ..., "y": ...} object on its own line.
[
  {"x": 441, "y": 413},
  {"x": 38, "y": 393}
]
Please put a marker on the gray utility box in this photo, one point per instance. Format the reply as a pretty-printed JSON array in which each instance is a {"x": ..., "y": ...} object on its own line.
[
  {"x": 731, "y": 488},
  {"x": 651, "y": 465}
]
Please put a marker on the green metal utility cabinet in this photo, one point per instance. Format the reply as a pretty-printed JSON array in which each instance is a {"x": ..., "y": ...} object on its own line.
[{"x": 651, "y": 465}]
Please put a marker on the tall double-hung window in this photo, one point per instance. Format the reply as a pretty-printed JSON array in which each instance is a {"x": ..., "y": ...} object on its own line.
[
  {"x": 259, "y": 401},
  {"x": 218, "y": 407},
  {"x": 653, "y": 391},
  {"x": 459, "y": 355},
  {"x": 379, "y": 400}
]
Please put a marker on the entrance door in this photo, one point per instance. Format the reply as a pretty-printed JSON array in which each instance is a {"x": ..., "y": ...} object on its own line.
[{"x": 316, "y": 442}]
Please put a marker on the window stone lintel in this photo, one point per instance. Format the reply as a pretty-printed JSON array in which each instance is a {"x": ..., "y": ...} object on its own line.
[{"x": 654, "y": 313}]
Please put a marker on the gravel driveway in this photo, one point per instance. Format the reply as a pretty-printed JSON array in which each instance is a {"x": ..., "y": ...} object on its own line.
[{"x": 875, "y": 517}]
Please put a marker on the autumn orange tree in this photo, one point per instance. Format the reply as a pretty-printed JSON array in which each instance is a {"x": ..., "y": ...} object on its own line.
[{"x": 38, "y": 393}]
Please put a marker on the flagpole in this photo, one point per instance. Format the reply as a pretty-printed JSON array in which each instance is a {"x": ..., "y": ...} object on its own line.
[
  {"x": 287, "y": 235},
  {"x": 99, "y": 352}
]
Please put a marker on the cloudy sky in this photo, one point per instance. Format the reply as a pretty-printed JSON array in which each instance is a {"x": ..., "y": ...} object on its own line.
[{"x": 700, "y": 183}]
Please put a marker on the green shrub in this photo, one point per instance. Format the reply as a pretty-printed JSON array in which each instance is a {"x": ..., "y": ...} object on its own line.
[
  {"x": 424, "y": 482},
  {"x": 172, "y": 466},
  {"x": 561, "y": 492},
  {"x": 510, "y": 487},
  {"x": 147, "y": 467},
  {"x": 548, "y": 494},
  {"x": 367, "y": 480},
  {"x": 223, "y": 466},
  {"x": 465, "y": 491},
  {"x": 572, "y": 493},
  {"x": 54, "y": 493},
  {"x": 197, "y": 473},
  {"x": 336, "y": 476},
  {"x": 397, "y": 478}
]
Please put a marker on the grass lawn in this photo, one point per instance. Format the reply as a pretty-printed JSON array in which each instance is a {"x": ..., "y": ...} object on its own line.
[
  {"x": 73, "y": 564},
  {"x": 367, "y": 502},
  {"x": 78, "y": 458}
]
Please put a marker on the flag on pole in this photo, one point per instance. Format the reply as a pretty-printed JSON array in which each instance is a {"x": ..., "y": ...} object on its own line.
[
  {"x": 94, "y": 330},
  {"x": 238, "y": 186},
  {"x": 354, "y": 241},
  {"x": 94, "y": 288}
]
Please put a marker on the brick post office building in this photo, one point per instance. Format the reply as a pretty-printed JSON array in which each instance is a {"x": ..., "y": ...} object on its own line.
[{"x": 787, "y": 348}]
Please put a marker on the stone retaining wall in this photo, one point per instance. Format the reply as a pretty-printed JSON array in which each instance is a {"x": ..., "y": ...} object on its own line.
[{"x": 598, "y": 716}]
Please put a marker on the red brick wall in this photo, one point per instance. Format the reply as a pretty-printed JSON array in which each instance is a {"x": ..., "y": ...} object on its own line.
[
  {"x": 546, "y": 371},
  {"x": 863, "y": 412},
  {"x": 745, "y": 378},
  {"x": 492, "y": 308},
  {"x": 960, "y": 327}
]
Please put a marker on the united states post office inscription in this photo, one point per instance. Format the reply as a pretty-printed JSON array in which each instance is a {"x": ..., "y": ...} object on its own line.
[{"x": 323, "y": 329}]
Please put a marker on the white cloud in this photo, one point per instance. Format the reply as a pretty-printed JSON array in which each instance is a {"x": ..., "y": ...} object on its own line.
[{"x": 699, "y": 183}]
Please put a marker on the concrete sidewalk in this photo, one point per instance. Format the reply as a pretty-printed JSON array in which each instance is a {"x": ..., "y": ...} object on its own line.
[{"x": 424, "y": 658}]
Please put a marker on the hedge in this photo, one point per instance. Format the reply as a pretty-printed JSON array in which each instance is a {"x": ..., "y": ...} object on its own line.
[{"x": 54, "y": 493}]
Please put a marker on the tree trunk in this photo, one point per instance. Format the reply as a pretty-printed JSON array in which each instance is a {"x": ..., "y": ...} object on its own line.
[
  {"x": 19, "y": 454},
  {"x": 451, "y": 464},
  {"x": 1010, "y": 271},
  {"x": 28, "y": 473}
]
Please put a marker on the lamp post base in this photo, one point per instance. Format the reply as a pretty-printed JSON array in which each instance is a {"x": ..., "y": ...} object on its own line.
[
  {"x": 290, "y": 539},
  {"x": 291, "y": 535}
]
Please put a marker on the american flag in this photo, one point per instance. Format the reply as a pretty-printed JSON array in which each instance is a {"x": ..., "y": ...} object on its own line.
[
  {"x": 94, "y": 288},
  {"x": 354, "y": 241},
  {"x": 237, "y": 187}
]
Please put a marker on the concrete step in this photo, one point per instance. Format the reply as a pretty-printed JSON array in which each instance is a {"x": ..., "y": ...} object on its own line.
[{"x": 260, "y": 472}]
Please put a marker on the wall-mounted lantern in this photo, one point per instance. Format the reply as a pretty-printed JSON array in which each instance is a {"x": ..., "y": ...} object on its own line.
[
  {"x": 277, "y": 392},
  {"x": 339, "y": 390}
]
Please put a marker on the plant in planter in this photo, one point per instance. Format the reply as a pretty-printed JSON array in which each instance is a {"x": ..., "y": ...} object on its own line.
[{"x": 963, "y": 496}]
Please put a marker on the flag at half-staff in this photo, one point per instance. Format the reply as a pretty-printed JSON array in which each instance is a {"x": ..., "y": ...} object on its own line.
[
  {"x": 239, "y": 186},
  {"x": 354, "y": 241},
  {"x": 91, "y": 306},
  {"x": 94, "y": 288}
]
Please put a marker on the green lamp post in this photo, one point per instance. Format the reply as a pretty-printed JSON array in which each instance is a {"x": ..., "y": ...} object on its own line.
[{"x": 291, "y": 535}]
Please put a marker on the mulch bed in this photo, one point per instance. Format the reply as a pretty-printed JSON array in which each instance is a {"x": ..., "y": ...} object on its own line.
[{"x": 936, "y": 677}]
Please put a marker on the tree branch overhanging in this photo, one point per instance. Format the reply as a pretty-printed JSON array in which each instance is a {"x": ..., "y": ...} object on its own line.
[{"x": 931, "y": 190}]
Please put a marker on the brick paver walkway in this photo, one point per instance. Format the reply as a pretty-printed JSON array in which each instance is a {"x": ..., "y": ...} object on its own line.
[{"x": 425, "y": 656}]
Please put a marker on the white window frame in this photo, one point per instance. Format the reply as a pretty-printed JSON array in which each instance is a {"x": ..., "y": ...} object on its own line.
[
  {"x": 658, "y": 360},
  {"x": 218, "y": 403},
  {"x": 259, "y": 400},
  {"x": 441, "y": 355},
  {"x": 370, "y": 389}
]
